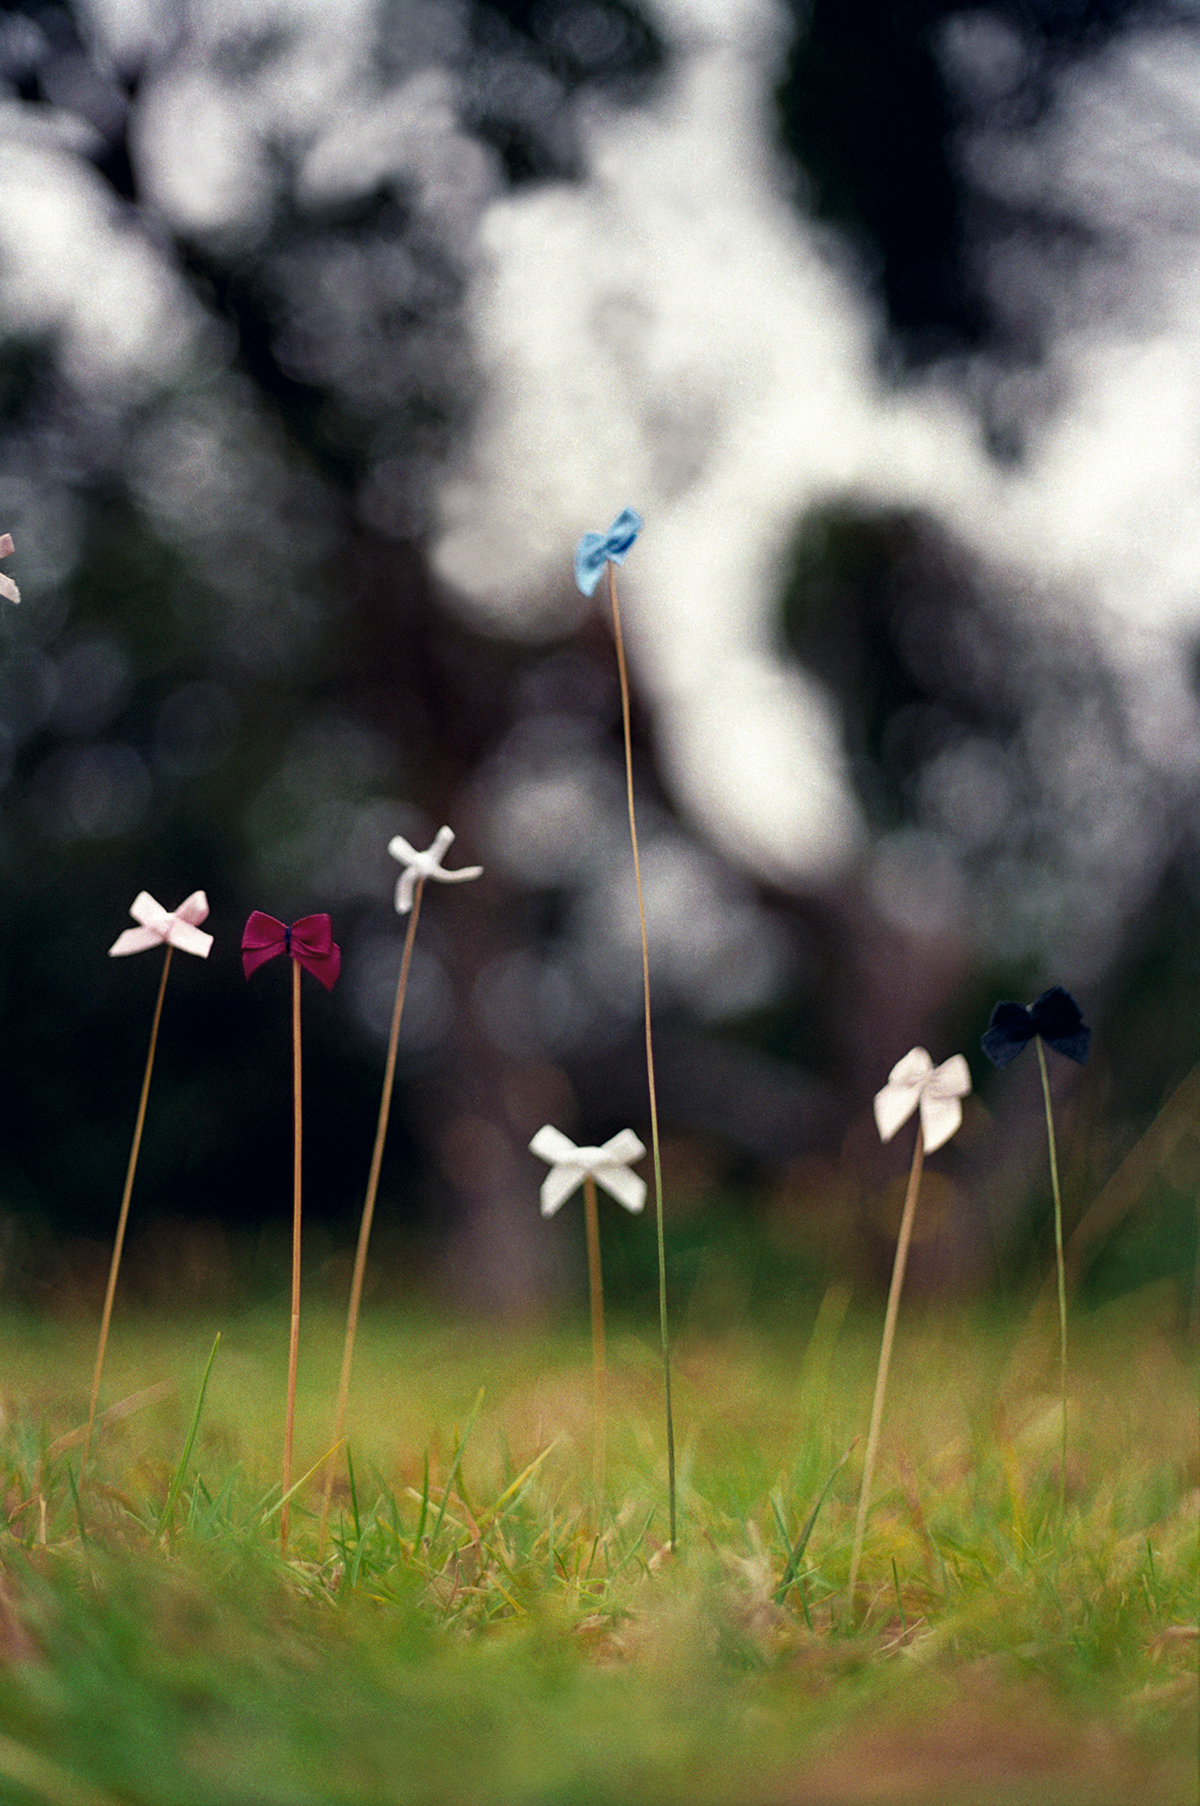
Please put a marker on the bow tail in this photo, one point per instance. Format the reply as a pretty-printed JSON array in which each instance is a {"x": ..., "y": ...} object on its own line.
[
  {"x": 190, "y": 939},
  {"x": 254, "y": 957},
  {"x": 893, "y": 1107},
  {"x": 624, "y": 1186},
  {"x": 557, "y": 1187},
  {"x": 940, "y": 1119}
]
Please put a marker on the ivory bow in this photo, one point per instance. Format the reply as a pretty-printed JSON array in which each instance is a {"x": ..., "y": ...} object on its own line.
[
  {"x": 596, "y": 549},
  {"x": 176, "y": 927},
  {"x": 607, "y": 1165},
  {"x": 309, "y": 941},
  {"x": 915, "y": 1081}
]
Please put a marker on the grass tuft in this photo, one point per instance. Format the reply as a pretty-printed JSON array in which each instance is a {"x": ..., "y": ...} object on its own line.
[{"x": 475, "y": 1629}]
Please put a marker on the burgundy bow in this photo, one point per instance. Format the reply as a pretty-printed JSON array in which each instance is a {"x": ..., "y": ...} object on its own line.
[{"x": 310, "y": 940}]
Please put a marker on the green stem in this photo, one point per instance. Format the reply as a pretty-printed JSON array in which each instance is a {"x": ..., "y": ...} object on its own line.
[
  {"x": 1062, "y": 1276},
  {"x": 654, "y": 1148}
]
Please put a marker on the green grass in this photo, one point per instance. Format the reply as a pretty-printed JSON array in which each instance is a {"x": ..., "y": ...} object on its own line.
[{"x": 480, "y": 1630}]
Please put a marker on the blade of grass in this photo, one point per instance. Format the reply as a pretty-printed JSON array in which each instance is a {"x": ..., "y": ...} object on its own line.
[
  {"x": 1152, "y": 1584},
  {"x": 421, "y": 1521},
  {"x": 189, "y": 1444},
  {"x": 797, "y": 1555},
  {"x": 899, "y": 1600},
  {"x": 517, "y": 1486},
  {"x": 353, "y": 1498},
  {"x": 218, "y": 1511},
  {"x": 74, "y": 1485},
  {"x": 360, "y": 1552},
  {"x": 267, "y": 1512},
  {"x": 476, "y": 1408}
]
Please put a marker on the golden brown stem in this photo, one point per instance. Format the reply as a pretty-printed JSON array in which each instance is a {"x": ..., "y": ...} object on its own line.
[
  {"x": 364, "y": 1230},
  {"x": 885, "y": 1355},
  {"x": 289, "y": 1425},
  {"x": 123, "y": 1215},
  {"x": 599, "y": 1374},
  {"x": 654, "y": 1146}
]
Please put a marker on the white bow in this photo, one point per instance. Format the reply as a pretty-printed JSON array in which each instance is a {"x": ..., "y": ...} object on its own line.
[
  {"x": 916, "y": 1080},
  {"x": 177, "y": 927},
  {"x": 608, "y": 1166},
  {"x": 425, "y": 865}
]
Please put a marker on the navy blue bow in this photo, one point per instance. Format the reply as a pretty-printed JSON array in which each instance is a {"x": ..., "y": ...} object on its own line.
[{"x": 1055, "y": 1016}]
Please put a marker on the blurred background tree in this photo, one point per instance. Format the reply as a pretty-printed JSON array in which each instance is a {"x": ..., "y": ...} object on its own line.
[{"x": 244, "y": 380}]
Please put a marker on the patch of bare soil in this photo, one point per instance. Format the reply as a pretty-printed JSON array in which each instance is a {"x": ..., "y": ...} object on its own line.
[{"x": 1014, "y": 1752}]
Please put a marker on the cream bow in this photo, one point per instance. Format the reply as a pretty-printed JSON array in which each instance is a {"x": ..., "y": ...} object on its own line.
[{"x": 915, "y": 1080}]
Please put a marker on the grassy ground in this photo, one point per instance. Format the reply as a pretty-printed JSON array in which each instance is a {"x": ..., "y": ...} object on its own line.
[{"x": 478, "y": 1630}]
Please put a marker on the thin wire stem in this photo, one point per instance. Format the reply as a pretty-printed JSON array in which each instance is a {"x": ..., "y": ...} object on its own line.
[
  {"x": 123, "y": 1216},
  {"x": 885, "y": 1355},
  {"x": 368, "y": 1215},
  {"x": 1062, "y": 1276},
  {"x": 654, "y": 1146},
  {"x": 289, "y": 1425},
  {"x": 591, "y": 1218}
]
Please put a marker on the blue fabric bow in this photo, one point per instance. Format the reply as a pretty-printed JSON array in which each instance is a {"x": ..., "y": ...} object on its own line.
[
  {"x": 596, "y": 549},
  {"x": 1055, "y": 1016}
]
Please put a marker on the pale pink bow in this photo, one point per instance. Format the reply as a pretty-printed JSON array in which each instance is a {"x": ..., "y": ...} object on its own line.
[
  {"x": 175, "y": 927},
  {"x": 7, "y": 586},
  {"x": 915, "y": 1081}
]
